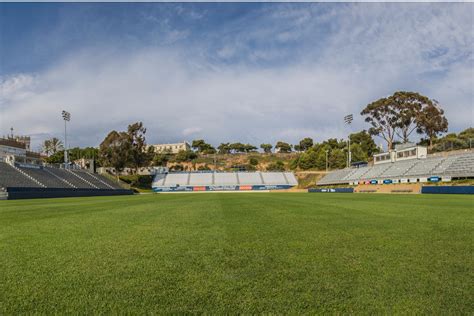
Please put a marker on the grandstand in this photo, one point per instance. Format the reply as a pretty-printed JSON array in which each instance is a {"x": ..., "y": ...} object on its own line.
[
  {"x": 52, "y": 182},
  {"x": 23, "y": 175},
  {"x": 414, "y": 170},
  {"x": 223, "y": 181}
]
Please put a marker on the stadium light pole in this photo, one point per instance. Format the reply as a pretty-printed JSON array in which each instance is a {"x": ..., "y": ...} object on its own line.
[
  {"x": 327, "y": 151},
  {"x": 348, "y": 120},
  {"x": 66, "y": 117}
]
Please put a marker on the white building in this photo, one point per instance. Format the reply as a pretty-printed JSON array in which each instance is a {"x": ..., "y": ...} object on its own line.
[
  {"x": 402, "y": 152},
  {"x": 171, "y": 148},
  {"x": 15, "y": 150}
]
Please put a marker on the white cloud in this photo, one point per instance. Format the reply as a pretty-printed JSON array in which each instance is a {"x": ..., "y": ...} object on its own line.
[
  {"x": 371, "y": 52},
  {"x": 189, "y": 131}
]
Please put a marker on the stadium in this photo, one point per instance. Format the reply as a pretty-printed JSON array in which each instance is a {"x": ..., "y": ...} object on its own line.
[{"x": 136, "y": 178}]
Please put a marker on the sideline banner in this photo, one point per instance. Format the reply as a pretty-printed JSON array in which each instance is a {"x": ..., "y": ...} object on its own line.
[
  {"x": 221, "y": 188},
  {"x": 332, "y": 190},
  {"x": 466, "y": 189}
]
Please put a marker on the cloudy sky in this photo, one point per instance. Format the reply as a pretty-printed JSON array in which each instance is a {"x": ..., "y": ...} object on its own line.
[{"x": 227, "y": 72}]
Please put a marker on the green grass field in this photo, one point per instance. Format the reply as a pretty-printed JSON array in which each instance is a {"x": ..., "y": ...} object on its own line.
[{"x": 253, "y": 253}]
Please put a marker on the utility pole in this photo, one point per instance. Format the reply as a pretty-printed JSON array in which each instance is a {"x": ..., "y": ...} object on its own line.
[
  {"x": 348, "y": 120},
  {"x": 66, "y": 117},
  {"x": 327, "y": 151}
]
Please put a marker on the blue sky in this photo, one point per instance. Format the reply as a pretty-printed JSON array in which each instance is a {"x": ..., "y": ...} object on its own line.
[{"x": 226, "y": 72}]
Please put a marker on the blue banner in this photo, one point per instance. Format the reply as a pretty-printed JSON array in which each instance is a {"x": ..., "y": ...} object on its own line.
[
  {"x": 465, "y": 189},
  {"x": 332, "y": 190}
]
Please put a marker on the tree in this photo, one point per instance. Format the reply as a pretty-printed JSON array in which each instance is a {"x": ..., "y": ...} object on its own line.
[
  {"x": 52, "y": 146},
  {"x": 409, "y": 105},
  {"x": 249, "y": 148},
  {"x": 267, "y": 148},
  {"x": 383, "y": 116},
  {"x": 283, "y": 147},
  {"x": 224, "y": 148},
  {"x": 161, "y": 159},
  {"x": 337, "y": 159},
  {"x": 308, "y": 160},
  {"x": 431, "y": 122},
  {"x": 402, "y": 113},
  {"x": 202, "y": 147},
  {"x": 365, "y": 141},
  {"x": 57, "y": 157},
  {"x": 276, "y": 166},
  {"x": 185, "y": 155},
  {"x": 137, "y": 145},
  {"x": 297, "y": 148},
  {"x": 114, "y": 150},
  {"x": 306, "y": 143},
  {"x": 253, "y": 161},
  {"x": 358, "y": 153}
]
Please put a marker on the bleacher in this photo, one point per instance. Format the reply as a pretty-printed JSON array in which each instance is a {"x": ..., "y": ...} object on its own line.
[
  {"x": 250, "y": 178},
  {"x": 456, "y": 166},
  {"x": 11, "y": 177},
  {"x": 47, "y": 179},
  {"x": 175, "y": 179},
  {"x": 427, "y": 167},
  {"x": 274, "y": 178},
  {"x": 70, "y": 177},
  {"x": 398, "y": 169},
  {"x": 225, "y": 179},
  {"x": 463, "y": 165},
  {"x": 52, "y": 182},
  {"x": 217, "y": 180},
  {"x": 200, "y": 178}
]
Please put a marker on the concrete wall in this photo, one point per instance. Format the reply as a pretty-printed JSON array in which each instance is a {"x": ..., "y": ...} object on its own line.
[{"x": 414, "y": 188}]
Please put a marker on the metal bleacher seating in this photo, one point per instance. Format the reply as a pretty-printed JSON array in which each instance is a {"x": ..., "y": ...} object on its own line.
[
  {"x": 424, "y": 167},
  {"x": 375, "y": 171},
  {"x": 224, "y": 179},
  {"x": 398, "y": 169},
  {"x": 48, "y": 179},
  {"x": 273, "y": 178},
  {"x": 464, "y": 165},
  {"x": 174, "y": 179},
  {"x": 10, "y": 177},
  {"x": 37, "y": 176},
  {"x": 200, "y": 178},
  {"x": 291, "y": 178},
  {"x": 70, "y": 177},
  {"x": 444, "y": 164},
  {"x": 461, "y": 165},
  {"x": 357, "y": 173},
  {"x": 250, "y": 178}
]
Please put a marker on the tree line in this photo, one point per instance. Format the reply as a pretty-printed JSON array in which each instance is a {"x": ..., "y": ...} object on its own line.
[{"x": 394, "y": 118}]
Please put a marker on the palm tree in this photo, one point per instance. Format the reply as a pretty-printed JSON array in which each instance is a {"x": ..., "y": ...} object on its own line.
[{"x": 52, "y": 146}]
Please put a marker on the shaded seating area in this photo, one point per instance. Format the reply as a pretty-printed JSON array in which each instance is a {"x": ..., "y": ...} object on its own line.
[{"x": 33, "y": 181}]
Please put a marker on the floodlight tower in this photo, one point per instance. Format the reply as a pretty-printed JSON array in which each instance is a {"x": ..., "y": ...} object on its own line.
[
  {"x": 327, "y": 152},
  {"x": 348, "y": 120},
  {"x": 66, "y": 117}
]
